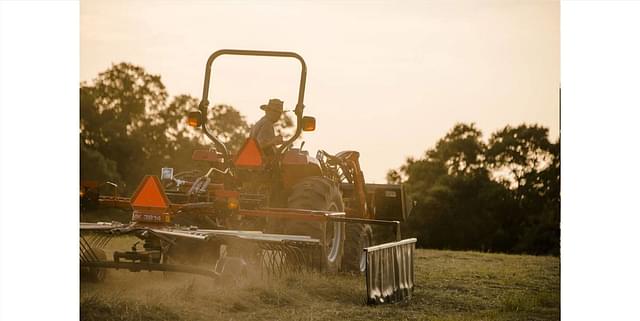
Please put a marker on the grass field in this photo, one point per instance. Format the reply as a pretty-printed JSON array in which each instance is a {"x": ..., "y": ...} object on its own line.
[{"x": 449, "y": 286}]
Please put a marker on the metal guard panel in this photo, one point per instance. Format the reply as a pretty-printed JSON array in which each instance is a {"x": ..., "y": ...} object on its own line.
[{"x": 389, "y": 271}]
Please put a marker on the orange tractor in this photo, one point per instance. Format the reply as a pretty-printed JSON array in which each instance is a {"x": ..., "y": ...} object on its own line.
[{"x": 274, "y": 213}]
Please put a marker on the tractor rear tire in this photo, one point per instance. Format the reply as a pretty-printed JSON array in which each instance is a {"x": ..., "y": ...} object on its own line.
[
  {"x": 359, "y": 236},
  {"x": 319, "y": 193}
]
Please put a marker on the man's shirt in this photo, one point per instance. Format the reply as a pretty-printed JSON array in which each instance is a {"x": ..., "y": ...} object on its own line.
[{"x": 263, "y": 131}]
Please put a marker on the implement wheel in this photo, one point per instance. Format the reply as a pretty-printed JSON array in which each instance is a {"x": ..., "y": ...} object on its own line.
[
  {"x": 359, "y": 236},
  {"x": 319, "y": 193}
]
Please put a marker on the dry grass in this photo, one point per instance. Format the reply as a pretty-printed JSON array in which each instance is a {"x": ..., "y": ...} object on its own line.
[{"x": 450, "y": 286}]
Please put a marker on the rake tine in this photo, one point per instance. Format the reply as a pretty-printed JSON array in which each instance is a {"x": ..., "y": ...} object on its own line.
[
  {"x": 280, "y": 255},
  {"x": 83, "y": 258},
  {"x": 84, "y": 245},
  {"x": 104, "y": 240}
]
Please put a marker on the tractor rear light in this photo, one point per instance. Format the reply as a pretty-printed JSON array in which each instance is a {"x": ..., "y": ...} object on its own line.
[
  {"x": 308, "y": 124},
  {"x": 249, "y": 155},
  {"x": 194, "y": 119},
  {"x": 232, "y": 203},
  {"x": 193, "y": 122}
]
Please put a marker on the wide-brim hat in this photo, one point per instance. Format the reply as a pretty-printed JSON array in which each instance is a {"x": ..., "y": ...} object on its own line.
[{"x": 274, "y": 105}]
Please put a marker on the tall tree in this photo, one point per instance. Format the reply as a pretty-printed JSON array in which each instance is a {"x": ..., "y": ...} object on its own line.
[
  {"x": 127, "y": 125},
  {"x": 526, "y": 162},
  {"x": 117, "y": 117},
  {"x": 502, "y": 196},
  {"x": 446, "y": 184},
  {"x": 520, "y": 153},
  {"x": 461, "y": 150},
  {"x": 230, "y": 126}
]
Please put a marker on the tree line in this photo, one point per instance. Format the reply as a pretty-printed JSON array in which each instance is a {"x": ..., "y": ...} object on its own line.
[
  {"x": 501, "y": 196},
  {"x": 498, "y": 196},
  {"x": 130, "y": 127}
]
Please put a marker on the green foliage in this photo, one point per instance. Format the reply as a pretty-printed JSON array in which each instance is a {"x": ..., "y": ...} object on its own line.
[
  {"x": 521, "y": 152},
  {"x": 230, "y": 126},
  {"x": 461, "y": 151},
  {"x": 128, "y": 128},
  {"x": 501, "y": 196},
  {"x": 96, "y": 166}
]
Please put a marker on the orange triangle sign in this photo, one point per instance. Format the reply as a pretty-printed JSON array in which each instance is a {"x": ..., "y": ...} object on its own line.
[
  {"x": 249, "y": 155},
  {"x": 150, "y": 194}
]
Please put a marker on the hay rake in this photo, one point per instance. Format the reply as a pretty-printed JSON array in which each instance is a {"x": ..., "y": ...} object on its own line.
[{"x": 273, "y": 255}]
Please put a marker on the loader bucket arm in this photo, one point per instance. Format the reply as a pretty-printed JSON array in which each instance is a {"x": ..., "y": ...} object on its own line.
[{"x": 204, "y": 103}]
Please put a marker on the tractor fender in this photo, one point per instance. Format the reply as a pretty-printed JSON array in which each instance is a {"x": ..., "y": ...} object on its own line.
[{"x": 297, "y": 165}]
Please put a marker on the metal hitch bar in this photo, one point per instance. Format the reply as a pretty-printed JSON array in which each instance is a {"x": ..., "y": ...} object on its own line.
[{"x": 140, "y": 266}]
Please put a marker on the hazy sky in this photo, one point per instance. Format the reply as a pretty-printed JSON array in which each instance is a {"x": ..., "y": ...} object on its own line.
[{"x": 385, "y": 78}]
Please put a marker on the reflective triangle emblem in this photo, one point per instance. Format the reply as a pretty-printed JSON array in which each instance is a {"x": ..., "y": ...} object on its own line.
[
  {"x": 249, "y": 155},
  {"x": 150, "y": 195}
]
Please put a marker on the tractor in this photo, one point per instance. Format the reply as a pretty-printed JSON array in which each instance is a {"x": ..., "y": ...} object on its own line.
[{"x": 282, "y": 211}]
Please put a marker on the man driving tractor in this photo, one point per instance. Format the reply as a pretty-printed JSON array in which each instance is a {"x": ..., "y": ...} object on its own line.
[{"x": 263, "y": 131}]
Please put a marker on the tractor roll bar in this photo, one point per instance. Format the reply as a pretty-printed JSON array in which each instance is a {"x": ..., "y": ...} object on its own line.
[{"x": 204, "y": 103}]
